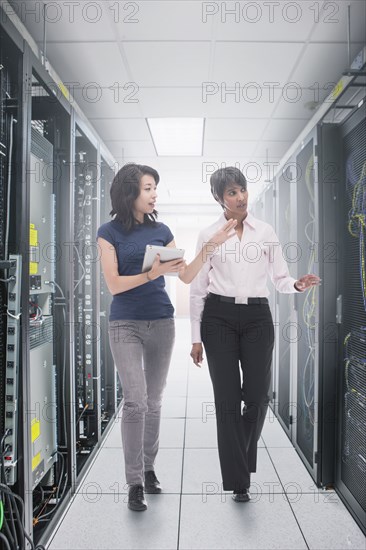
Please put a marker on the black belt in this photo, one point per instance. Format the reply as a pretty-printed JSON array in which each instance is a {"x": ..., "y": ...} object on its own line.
[{"x": 237, "y": 300}]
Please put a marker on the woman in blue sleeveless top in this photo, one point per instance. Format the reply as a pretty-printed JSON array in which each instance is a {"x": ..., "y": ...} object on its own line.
[{"x": 141, "y": 321}]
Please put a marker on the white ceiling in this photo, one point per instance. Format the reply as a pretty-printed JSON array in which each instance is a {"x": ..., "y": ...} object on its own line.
[{"x": 168, "y": 50}]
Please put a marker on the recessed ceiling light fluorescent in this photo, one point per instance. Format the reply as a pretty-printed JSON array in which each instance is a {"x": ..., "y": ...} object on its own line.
[{"x": 177, "y": 137}]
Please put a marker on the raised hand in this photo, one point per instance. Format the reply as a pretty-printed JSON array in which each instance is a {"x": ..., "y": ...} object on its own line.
[
  {"x": 224, "y": 233},
  {"x": 307, "y": 281}
]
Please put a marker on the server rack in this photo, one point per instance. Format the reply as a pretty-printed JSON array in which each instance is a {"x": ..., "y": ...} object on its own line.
[
  {"x": 14, "y": 116},
  {"x": 110, "y": 387},
  {"x": 305, "y": 222},
  {"x": 327, "y": 251},
  {"x": 326, "y": 215},
  {"x": 309, "y": 380},
  {"x": 49, "y": 159},
  {"x": 49, "y": 443},
  {"x": 351, "y": 317},
  {"x": 41, "y": 319},
  {"x": 284, "y": 308},
  {"x": 305, "y": 374},
  {"x": 321, "y": 372},
  {"x": 11, "y": 67},
  {"x": 86, "y": 294}
]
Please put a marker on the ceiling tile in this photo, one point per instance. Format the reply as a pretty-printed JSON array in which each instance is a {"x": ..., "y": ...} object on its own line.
[
  {"x": 106, "y": 107},
  {"x": 171, "y": 102},
  {"x": 86, "y": 63},
  {"x": 237, "y": 148},
  {"x": 168, "y": 63},
  {"x": 271, "y": 148},
  {"x": 234, "y": 128},
  {"x": 331, "y": 61},
  {"x": 299, "y": 103},
  {"x": 131, "y": 148},
  {"x": 152, "y": 20},
  {"x": 242, "y": 63},
  {"x": 259, "y": 106},
  {"x": 268, "y": 21},
  {"x": 333, "y": 21},
  {"x": 177, "y": 102},
  {"x": 180, "y": 71},
  {"x": 122, "y": 128},
  {"x": 283, "y": 129},
  {"x": 79, "y": 20}
]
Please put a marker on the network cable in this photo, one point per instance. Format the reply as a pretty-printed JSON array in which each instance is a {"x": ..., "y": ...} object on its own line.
[
  {"x": 63, "y": 305},
  {"x": 309, "y": 305},
  {"x": 63, "y": 479},
  {"x": 14, "y": 535},
  {"x": 356, "y": 188},
  {"x": 357, "y": 217}
]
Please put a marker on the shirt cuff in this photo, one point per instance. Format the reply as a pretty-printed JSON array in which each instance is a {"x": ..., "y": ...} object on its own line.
[
  {"x": 196, "y": 332},
  {"x": 295, "y": 289}
]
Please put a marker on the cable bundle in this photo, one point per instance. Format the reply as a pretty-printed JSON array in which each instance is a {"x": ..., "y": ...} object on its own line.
[
  {"x": 357, "y": 215},
  {"x": 12, "y": 530}
]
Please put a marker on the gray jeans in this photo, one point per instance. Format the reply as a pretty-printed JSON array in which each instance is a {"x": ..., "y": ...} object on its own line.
[{"x": 141, "y": 351}]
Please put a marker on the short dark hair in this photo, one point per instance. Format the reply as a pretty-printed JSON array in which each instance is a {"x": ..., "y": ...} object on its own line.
[
  {"x": 125, "y": 189},
  {"x": 220, "y": 179}
]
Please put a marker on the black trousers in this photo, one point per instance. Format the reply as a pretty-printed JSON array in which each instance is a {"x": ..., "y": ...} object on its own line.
[{"x": 236, "y": 335}]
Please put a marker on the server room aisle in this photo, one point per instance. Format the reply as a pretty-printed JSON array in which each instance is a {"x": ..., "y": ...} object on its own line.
[{"x": 286, "y": 511}]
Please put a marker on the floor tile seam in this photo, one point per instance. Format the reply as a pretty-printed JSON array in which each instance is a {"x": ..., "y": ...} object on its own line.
[
  {"x": 183, "y": 450},
  {"x": 194, "y": 493},
  {"x": 193, "y": 447},
  {"x": 288, "y": 500},
  {"x": 164, "y": 447}
]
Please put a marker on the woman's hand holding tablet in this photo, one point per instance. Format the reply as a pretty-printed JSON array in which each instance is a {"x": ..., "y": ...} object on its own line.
[{"x": 162, "y": 260}]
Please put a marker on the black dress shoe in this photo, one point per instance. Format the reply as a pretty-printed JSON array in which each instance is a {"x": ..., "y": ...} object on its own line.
[
  {"x": 241, "y": 496},
  {"x": 136, "y": 498},
  {"x": 152, "y": 484}
]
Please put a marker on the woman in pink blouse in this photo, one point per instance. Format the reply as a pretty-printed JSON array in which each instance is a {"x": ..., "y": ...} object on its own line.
[{"x": 231, "y": 317}]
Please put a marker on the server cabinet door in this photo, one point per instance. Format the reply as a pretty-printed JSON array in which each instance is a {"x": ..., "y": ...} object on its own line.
[
  {"x": 305, "y": 383},
  {"x": 351, "y": 455},
  {"x": 283, "y": 311}
]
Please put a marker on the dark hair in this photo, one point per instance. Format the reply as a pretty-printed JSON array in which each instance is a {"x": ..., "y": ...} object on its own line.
[
  {"x": 125, "y": 189},
  {"x": 220, "y": 179}
]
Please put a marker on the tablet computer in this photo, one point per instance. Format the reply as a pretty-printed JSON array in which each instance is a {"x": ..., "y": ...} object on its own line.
[{"x": 167, "y": 253}]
